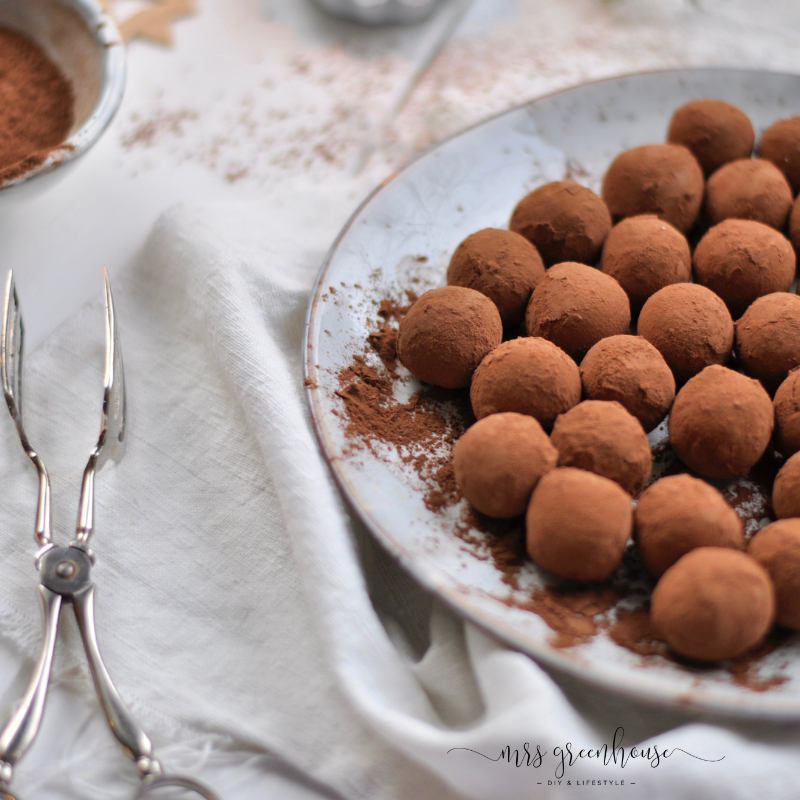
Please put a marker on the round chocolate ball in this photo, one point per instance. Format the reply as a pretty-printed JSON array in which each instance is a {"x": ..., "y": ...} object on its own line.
[
  {"x": 564, "y": 220},
  {"x": 780, "y": 143},
  {"x": 690, "y": 326},
  {"x": 529, "y": 376},
  {"x": 631, "y": 371},
  {"x": 602, "y": 437},
  {"x": 499, "y": 460},
  {"x": 741, "y": 260},
  {"x": 500, "y": 264},
  {"x": 660, "y": 179},
  {"x": 678, "y": 514},
  {"x": 721, "y": 423},
  {"x": 751, "y": 188},
  {"x": 794, "y": 224},
  {"x": 768, "y": 338},
  {"x": 447, "y": 333},
  {"x": 575, "y": 306},
  {"x": 578, "y": 524},
  {"x": 712, "y": 604},
  {"x": 787, "y": 415},
  {"x": 645, "y": 254},
  {"x": 786, "y": 489},
  {"x": 777, "y": 548},
  {"x": 715, "y": 131}
]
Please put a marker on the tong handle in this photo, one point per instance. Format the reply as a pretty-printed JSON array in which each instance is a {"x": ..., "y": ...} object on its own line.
[
  {"x": 135, "y": 742},
  {"x": 21, "y": 729}
]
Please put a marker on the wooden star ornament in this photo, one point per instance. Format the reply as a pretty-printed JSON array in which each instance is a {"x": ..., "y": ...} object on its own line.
[{"x": 153, "y": 23}]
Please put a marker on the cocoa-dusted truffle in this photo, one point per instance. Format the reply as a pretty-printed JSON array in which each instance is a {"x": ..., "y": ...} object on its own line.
[
  {"x": 499, "y": 461},
  {"x": 787, "y": 415},
  {"x": 690, "y": 326},
  {"x": 768, "y": 338},
  {"x": 794, "y": 224},
  {"x": 661, "y": 179},
  {"x": 780, "y": 143},
  {"x": 712, "y": 604},
  {"x": 680, "y": 513},
  {"x": 446, "y": 334},
  {"x": 574, "y": 306},
  {"x": 741, "y": 260},
  {"x": 715, "y": 131},
  {"x": 631, "y": 371},
  {"x": 602, "y": 437},
  {"x": 578, "y": 524},
  {"x": 751, "y": 188},
  {"x": 564, "y": 220},
  {"x": 786, "y": 489},
  {"x": 529, "y": 376},
  {"x": 721, "y": 423},
  {"x": 777, "y": 548},
  {"x": 644, "y": 254},
  {"x": 500, "y": 264}
]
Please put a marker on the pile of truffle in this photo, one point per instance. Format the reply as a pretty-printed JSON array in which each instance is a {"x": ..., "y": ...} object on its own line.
[{"x": 579, "y": 329}]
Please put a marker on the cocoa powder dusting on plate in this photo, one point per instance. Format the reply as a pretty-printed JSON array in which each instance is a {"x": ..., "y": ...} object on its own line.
[
  {"x": 422, "y": 429},
  {"x": 574, "y": 615}
]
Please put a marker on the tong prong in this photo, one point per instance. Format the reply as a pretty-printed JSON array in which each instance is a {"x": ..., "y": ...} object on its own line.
[
  {"x": 12, "y": 337},
  {"x": 111, "y": 442}
]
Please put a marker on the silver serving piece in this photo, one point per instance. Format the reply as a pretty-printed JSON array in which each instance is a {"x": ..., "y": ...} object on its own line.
[
  {"x": 381, "y": 12},
  {"x": 66, "y": 571}
]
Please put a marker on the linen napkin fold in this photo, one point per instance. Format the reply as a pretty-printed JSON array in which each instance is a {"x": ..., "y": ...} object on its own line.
[{"x": 237, "y": 596}]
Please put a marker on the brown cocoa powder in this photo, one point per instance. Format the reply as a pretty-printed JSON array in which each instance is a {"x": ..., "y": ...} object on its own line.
[
  {"x": 422, "y": 430},
  {"x": 36, "y": 105}
]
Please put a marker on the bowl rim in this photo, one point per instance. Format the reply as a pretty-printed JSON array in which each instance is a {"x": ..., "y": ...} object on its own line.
[{"x": 108, "y": 38}]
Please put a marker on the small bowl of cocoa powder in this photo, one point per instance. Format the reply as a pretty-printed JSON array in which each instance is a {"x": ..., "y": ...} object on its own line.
[{"x": 62, "y": 76}]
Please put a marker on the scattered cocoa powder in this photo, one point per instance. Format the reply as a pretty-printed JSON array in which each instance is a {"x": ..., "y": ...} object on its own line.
[
  {"x": 633, "y": 631},
  {"x": 422, "y": 430},
  {"x": 574, "y": 616},
  {"x": 36, "y": 105},
  {"x": 384, "y": 339}
]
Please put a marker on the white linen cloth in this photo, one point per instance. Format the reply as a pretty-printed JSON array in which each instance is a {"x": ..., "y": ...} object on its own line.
[{"x": 238, "y": 599}]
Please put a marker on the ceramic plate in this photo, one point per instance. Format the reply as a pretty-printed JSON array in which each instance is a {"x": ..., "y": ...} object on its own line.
[{"x": 401, "y": 238}]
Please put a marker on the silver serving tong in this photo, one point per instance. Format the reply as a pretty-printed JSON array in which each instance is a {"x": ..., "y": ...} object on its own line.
[{"x": 65, "y": 571}]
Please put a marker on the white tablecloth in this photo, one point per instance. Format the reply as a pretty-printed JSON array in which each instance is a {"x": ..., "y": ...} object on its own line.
[{"x": 241, "y": 609}]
